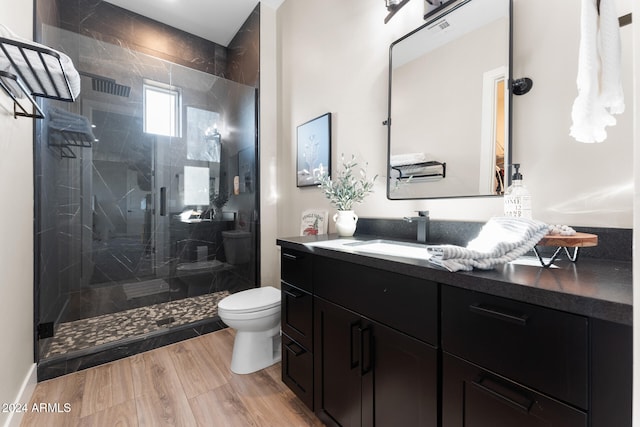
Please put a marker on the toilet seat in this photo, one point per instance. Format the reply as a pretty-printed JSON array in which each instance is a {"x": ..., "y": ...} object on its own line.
[{"x": 251, "y": 301}]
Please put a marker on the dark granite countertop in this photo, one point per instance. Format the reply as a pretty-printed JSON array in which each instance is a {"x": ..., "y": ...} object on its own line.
[{"x": 596, "y": 288}]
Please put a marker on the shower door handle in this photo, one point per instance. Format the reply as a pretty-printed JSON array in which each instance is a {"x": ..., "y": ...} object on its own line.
[{"x": 163, "y": 201}]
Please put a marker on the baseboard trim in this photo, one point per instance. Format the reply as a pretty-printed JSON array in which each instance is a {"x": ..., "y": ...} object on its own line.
[{"x": 24, "y": 396}]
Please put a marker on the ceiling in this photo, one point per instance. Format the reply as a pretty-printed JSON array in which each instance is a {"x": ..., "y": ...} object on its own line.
[{"x": 214, "y": 20}]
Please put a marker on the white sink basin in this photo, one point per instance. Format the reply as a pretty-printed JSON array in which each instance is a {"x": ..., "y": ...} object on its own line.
[
  {"x": 390, "y": 247},
  {"x": 381, "y": 247}
]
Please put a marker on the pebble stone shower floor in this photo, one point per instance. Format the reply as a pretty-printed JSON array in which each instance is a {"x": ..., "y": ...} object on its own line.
[{"x": 94, "y": 331}]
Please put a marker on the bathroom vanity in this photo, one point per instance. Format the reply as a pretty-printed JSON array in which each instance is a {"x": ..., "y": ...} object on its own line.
[{"x": 371, "y": 339}]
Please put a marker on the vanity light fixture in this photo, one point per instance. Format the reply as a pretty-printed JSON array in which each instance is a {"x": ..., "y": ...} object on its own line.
[{"x": 393, "y": 6}]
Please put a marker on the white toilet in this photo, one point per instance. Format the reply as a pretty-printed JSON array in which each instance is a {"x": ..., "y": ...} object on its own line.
[
  {"x": 255, "y": 315},
  {"x": 237, "y": 246}
]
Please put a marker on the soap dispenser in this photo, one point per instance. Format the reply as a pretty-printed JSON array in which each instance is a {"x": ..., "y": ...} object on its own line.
[{"x": 517, "y": 200}]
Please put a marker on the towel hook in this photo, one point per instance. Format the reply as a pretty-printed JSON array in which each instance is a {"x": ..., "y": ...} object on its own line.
[{"x": 521, "y": 86}]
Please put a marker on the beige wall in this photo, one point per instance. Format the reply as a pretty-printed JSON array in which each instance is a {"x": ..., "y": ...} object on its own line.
[
  {"x": 334, "y": 57},
  {"x": 16, "y": 229},
  {"x": 269, "y": 137}
]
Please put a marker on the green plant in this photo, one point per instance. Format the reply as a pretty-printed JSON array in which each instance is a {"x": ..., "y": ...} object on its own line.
[
  {"x": 347, "y": 189},
  {"x": 219, "y": 199}
]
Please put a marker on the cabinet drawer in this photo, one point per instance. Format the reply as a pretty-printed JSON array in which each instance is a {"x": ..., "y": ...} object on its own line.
[
  {"x": 405, "y": 303},
  {"x": 472, "y": 396},
  {"x": 297, "y": 315},
  {"x": 541, "y": 348},
  {"x": 297, "y": 370},
  {"x": 296, "y": 269}
]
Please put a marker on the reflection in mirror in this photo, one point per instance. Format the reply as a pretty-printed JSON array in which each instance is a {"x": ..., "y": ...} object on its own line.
[{"x": 449, "y": 115}]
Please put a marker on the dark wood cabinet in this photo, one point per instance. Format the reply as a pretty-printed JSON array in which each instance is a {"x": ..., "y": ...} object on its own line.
[
  {"x": 338, "y": 369},
  {"x": 296, "y": 312},
  {"x": 367, "y": 374},
  {"x": 541, "y": 348},
  {"x": 611, "y": 374},
  {"x": 297, "y": 369},
  {"x": 474, "y": 397},
  {"x": 297, "y": 324},
  {"x": 508, "y": 363},
  {"x": 363, "y": 346}
]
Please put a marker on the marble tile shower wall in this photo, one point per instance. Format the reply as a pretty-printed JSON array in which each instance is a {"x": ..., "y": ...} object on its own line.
[{"x": 76, "y": 269}]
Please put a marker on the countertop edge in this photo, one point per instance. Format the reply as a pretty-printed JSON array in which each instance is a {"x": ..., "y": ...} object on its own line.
[{"x": 609, "y": 302}]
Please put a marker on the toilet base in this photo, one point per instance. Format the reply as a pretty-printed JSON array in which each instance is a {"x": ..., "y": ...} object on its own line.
[{"x": 253, "y": 351}]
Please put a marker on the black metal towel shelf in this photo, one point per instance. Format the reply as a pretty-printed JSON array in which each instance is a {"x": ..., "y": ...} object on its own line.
[
  {"x": 419, "y": 170},
  {"x": 65, "y": 139},
  {"x": 35, "y": 71}
]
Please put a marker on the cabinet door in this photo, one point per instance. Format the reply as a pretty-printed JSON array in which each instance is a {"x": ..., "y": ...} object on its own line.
[
  {"x": 337, "y": 366},
  {"x": 473, "y": 397},
  {"x": 403, "y": 387}
]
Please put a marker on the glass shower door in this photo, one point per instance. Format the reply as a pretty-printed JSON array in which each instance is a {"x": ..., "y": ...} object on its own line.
[{"x": 130, "y": 246}]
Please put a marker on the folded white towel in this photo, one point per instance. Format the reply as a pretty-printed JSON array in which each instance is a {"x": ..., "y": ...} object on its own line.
[
  {"x": 502, "y": 239},
  {"x": 407, "y": 159},
  {"x": 40, "y": 82},
  {"x": 599, "y": 85},
  {"x": 66, "y": 121}
]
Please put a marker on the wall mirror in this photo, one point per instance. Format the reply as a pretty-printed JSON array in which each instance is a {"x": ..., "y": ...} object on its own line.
[{"x": 449, "y": 104}]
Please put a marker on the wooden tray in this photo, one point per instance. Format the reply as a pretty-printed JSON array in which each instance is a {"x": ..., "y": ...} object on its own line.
[{"x": 578, "y": 240}]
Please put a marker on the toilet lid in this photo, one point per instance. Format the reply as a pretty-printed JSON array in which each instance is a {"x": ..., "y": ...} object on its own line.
[{"x": 255, "y": 299}]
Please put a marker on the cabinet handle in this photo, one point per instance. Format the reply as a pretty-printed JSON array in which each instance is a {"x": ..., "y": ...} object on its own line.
[
  {"x": 496, "y": 313},
  {"x": 354, "y": 360},
  {"x": 366, "y": 350},
  {"x": 289, "y": 256},
  {"x": 293, "y": 294},
  {"x": 524, "y": 406},
  {"x": 297, "y": 351}
]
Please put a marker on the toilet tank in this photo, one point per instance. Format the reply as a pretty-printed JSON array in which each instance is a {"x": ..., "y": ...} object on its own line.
[{"x": 237, "y": 246}]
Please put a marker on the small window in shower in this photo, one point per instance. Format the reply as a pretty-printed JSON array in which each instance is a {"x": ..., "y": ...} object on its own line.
[{"x": 161, "y": 107}]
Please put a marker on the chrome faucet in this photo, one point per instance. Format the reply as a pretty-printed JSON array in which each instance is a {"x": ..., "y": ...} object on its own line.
[{"x": 423, "y": 224}]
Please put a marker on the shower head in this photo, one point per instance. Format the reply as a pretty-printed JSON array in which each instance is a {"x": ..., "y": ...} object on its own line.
[{"x": 107, "y": 85}]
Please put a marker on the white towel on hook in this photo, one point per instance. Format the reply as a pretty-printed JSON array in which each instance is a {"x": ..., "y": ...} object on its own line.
[
  {"x": 599, "y": 85},
  {"x": 611, "y": 56}
]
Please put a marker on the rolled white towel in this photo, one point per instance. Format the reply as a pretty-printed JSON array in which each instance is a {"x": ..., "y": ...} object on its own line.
[
  {"x": 45, "y": 85},
  {"x": 407, "y": 159},
  {"x": 504, "y": 234},
  {"x": 501, "y": 240},
  {"x": 562, "y": 230}
]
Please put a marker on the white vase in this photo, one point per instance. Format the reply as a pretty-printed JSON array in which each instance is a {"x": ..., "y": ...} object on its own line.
[{"x": 345, "y": 223}]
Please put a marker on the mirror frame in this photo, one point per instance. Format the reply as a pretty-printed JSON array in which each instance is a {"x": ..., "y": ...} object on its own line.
[{"x": 454, "y": 5}]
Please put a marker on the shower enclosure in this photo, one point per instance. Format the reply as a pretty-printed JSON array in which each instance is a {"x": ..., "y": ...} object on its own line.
[{"x": 132, "y": 211}]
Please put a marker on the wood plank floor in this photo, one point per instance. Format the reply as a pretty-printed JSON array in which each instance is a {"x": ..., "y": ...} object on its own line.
[{"x": 184, "y": 384}]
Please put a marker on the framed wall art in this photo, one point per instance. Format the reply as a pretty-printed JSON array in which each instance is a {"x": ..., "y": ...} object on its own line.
[{"x": 314, "y": 150}]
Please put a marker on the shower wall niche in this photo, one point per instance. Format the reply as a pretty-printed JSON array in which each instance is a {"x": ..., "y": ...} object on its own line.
[{"x": 131, "y": 222}]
